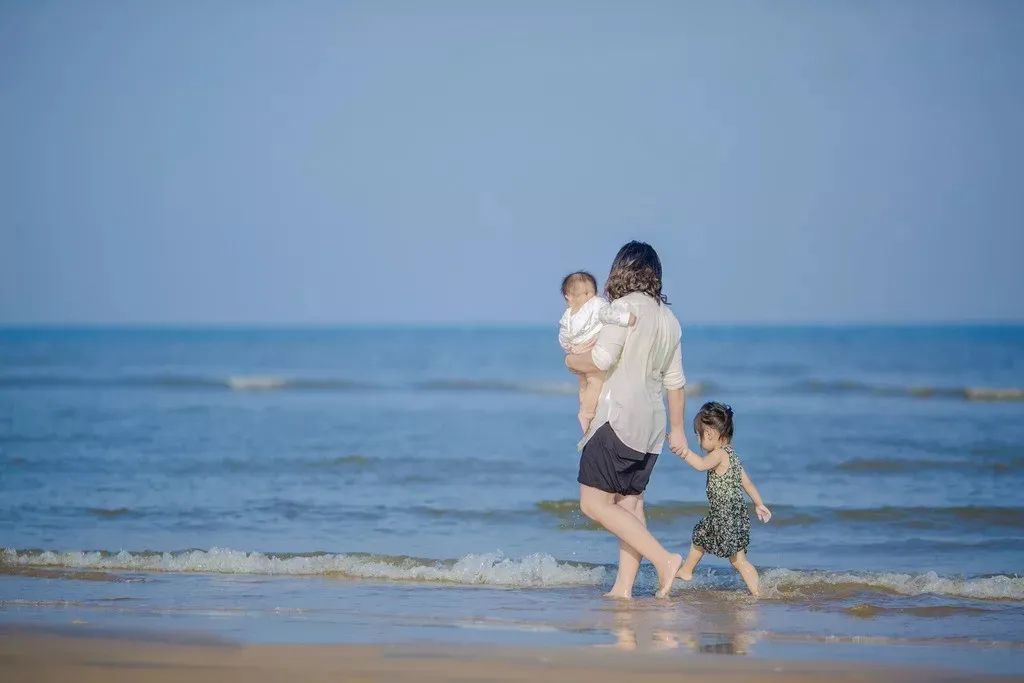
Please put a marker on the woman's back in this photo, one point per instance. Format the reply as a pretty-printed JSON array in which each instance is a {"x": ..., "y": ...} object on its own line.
[{"x": 641, "y": 362}]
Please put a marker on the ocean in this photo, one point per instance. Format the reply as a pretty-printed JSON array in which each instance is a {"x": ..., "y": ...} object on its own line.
[{"x": 400, "y": 484}]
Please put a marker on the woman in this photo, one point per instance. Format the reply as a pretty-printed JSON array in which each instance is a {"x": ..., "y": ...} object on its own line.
[{"x": 644, "y": 366}]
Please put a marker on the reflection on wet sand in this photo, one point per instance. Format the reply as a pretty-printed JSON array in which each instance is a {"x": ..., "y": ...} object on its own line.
[{"x": 725, "y": 627}]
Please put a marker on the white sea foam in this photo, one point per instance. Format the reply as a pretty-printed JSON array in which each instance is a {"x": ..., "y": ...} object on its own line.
[
  {"x": 536, "y": 570},
  {"x": 787, "y": 582},
  {"x": 255, "y": 382},
  {"x": 495, "y": 569}
]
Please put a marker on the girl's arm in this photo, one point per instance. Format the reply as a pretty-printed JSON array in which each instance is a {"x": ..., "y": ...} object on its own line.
[
  {"x": 763, "y": 513},
  {"x": 712, "y": 459}
]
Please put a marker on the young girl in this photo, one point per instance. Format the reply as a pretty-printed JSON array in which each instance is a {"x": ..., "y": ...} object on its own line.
[{"x": 725, "y": 530}]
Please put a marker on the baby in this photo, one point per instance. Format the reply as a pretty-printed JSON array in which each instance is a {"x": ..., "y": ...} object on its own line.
[{"x": 585, "y": 314}]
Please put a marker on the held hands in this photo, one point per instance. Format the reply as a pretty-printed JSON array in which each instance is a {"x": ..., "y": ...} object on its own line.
[
  {"x": 763, "y": 513},
  {"x": 677, "y": 443}
]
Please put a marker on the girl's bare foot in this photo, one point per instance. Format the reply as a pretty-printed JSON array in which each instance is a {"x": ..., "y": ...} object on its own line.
[
  {"x": 619, "y": 594},
  {"x": 671, "y": 567}
]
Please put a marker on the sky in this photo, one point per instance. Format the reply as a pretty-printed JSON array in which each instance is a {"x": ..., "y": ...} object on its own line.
[{"x": 448, "y": 162}]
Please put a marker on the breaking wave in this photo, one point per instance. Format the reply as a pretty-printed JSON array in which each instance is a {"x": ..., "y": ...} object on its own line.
[
  {"x": 538, "y": 570},
  {"x": 785, "y": 583},
  {"x": 495, "y": 569}
]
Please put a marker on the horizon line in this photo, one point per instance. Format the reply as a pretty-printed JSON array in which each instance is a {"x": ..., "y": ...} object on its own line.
[{"x": 271, "y": 325}]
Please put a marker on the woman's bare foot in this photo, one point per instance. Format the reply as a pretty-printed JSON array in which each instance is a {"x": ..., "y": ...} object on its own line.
[
  {"x": 619, "y": 594},
  {"x": 674, "y": 563},
  {"x": 684, "y": 574}
]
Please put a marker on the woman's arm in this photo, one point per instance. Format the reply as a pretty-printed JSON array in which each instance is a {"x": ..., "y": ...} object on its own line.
[
  {"x": 581, "y": 363},
  {"x": 676, "y": 410},
  {"x": 608, "y": 349},
  {"x": 712, "y": 459},
  {"x": 763, "y": 513}
]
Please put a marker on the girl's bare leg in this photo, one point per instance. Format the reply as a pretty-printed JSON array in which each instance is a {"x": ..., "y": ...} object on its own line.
[
  {"x": 600, "y": 506},
  {"x": 686, "y": 571},
  {"x": 748, "y": 572},
  {"x": 629, "y": 558}
]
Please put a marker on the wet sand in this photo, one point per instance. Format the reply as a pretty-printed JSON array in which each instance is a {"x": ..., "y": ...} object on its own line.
[{"x": 31, "y": 656}]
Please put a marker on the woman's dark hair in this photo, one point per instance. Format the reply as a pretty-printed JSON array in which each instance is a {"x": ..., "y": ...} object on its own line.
[
  {"x": 636, "y": 268},
  {"x": 716, "y": 415},
  {"x": 579, "y": 276}
]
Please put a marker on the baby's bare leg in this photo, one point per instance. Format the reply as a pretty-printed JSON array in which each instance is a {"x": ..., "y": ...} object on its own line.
[
  {"x": 590, "y": 391},
  {"x": 686, "y": 571},
  {"x": 747, "y": 571}
]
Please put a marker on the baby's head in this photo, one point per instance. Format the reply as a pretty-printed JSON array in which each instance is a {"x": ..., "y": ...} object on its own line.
[
  {"x": 578, "y": 288},
  {"x": 713, "y": 425}
]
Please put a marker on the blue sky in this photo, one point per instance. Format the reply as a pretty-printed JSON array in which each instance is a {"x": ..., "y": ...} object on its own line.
[{"x": 307, "y": 162}]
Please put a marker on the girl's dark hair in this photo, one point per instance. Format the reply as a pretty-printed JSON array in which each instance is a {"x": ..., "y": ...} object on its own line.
[
  {"x": 636, "y": 268},
  {"x": 579, "y": 276},
  {"x": 716, "y": 415}
]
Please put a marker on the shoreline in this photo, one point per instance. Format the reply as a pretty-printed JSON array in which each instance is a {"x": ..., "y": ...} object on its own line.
[{"x": 31, "y": 654}]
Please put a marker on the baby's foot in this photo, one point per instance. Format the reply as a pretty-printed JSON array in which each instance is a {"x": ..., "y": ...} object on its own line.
[{"x": 665, "y": 579}]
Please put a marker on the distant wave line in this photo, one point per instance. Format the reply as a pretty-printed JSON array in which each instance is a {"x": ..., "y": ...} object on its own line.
[
  {"x": 273, "y": 382},
  {"x": 969, "y": 393}
]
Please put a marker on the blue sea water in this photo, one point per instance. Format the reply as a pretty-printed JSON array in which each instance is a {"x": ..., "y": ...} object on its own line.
[{"x": 418, "y": 484}]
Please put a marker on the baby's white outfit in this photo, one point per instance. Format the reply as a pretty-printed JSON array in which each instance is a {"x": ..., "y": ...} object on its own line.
[{"x": 575, "y": 329}]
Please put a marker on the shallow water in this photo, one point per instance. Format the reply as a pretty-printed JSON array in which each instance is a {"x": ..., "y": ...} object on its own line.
[{"x": 367, "y": 485}]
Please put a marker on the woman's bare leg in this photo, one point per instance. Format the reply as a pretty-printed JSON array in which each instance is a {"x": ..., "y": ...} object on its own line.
[
  {"x": 686, "y": 571},
  {"x": 747, "y": 571},
  {"x": 629, "y": 558},
  {"x": 600, "y": 506}
]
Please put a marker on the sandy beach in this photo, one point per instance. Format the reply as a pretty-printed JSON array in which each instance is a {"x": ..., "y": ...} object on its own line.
[{"x": 39, "y": 656}]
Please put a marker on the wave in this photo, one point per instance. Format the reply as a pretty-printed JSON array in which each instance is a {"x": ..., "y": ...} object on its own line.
[
  {"x": 264, "y": 383},
  {"x": 537, "y": 570},
  {"x": 911, "y": 517},
  {"x": 791, "y": 583},
  {"x": 987, "y": 394},
  {"x": 230, "y": 382},
  {"x": 867, "y": 610}
]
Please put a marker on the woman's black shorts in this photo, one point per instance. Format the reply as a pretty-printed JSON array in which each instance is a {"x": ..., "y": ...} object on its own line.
[{"x": 612, "y": 466}]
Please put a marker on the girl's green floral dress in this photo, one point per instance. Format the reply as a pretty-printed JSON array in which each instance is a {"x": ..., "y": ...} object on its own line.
[{"x": 725, "y": 530}]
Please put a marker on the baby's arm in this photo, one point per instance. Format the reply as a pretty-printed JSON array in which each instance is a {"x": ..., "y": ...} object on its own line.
[
  {"x": 616, "y": 314},
  {"x": 763, "y": 513},
  {"x": 712, "y": 459},
  {"x": 564, "y": 336}
]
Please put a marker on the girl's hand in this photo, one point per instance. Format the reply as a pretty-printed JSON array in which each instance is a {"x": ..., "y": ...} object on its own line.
[
  {"x": 632, "y": 320},
  {"x": 763, "y": 513},
  {"x": 677, "y": 443}
]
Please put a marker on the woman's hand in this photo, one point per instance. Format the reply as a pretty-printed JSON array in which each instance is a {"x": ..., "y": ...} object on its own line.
[
  {"x": 582, "y": 348},
  {"x": 677, "y": 442},
  {"x": 763, "y": 513}
]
